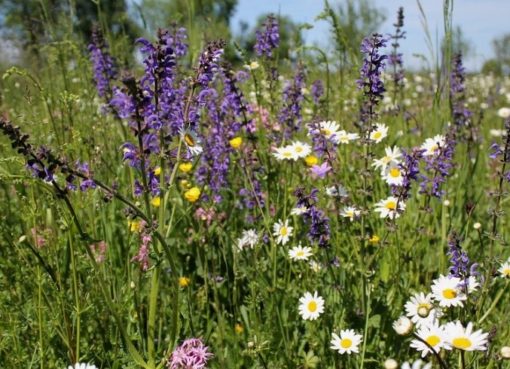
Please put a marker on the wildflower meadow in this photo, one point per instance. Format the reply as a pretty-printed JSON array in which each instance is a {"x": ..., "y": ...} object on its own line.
[{"x": 173, "y": 199}]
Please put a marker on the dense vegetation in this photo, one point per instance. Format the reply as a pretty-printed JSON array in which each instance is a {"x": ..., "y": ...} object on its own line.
[{"x": 267, "y": 208}]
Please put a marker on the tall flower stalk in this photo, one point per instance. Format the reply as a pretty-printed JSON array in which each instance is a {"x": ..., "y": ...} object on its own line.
[{"x": 395, "y": 58}]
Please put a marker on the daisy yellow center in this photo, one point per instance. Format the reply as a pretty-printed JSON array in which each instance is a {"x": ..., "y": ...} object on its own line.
[
  {"x": 350, "y": 213},
  {"x": 423, "y": 310},
  {"x": 449, "y": 293},
  {"x": 433, "y": 340},
  {"x": 461, "y": 343},
  {"x": 391, "y": 205},
  {"x": 284, "y": 231},
  {"x": 506, "y": 272},
  {"x": 394, "y": 172},
  {"x": 299, "y": 149},
  {"x": 345, "y": 343},
  {"x": 377, "y": 135},
  {"x": 287, "y": 154},
  {"x": 326, "y": 132},
  {"x": 386, "y": 159},
  {"x": 189, "y": 140},
  {"x": 434, "y": 148},
  {"x": 300, "y": 253},
  {"x": 312, "y": 306}
]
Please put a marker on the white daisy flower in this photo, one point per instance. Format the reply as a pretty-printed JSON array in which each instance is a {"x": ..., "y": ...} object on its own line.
[
  {"x": 328, "y": 128},
  {"x": 347, "y": 342},
  {"x": 390, "y": 364},
  {"x": 504, "y": 113},
  {"x": 192, "y": 141},
  {"x": 300, "y": 253},
  {"x": 336, "y": 191},
  {"x": 392, "y": 156},
  {"x": 393, "y": 175},
  {"x": 504, "y": 269},
  {"x": 432, "y": 145},
  {"x": 282, "y": 231},
  {"x": 464, "y": 338},
  {"x": 248, "y": 238},
  {"x": 315, "y": 266},
  {"x": 82, "y": 366},
  {"x": 421, "y": 310},
  {"x": 388, "y": 208},
  {"x": 379, "y": 133},
  {"x": 434, "y": 335},
  {"x": 342, "y": 137},
  {"x": 299, "y": 210},
  {"x": 284, "y": 153},
  {"x": 505, "y": 352},
  {"x": 417, "y": 364},
  {"x": 350, "y": 212},
  {"x": 446, "y": 291},
  {"x": 472, "y": 284},
  {"x": 311, "y": 306},
  {"x": 300, "y": 149},
  {"x": 403, "y": 326}
]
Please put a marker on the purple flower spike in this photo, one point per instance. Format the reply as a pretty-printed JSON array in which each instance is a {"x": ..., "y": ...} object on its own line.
[{"x": 268, "y": 39}]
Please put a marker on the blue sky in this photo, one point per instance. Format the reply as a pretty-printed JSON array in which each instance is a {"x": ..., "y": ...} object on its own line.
[{"x": 480, "y": 20}]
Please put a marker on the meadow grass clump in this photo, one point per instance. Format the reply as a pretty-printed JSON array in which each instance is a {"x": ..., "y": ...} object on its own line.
[{"x": 186, "y": 212}]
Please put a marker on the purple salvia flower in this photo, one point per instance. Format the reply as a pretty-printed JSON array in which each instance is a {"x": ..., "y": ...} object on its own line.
[
  {"x": 319, "y": 230},
  {"x": 192, "y": 354},
  {"x": 438, "y": 167},
  {"x": 269, "y": 38},
  {"x": 502, "y": 152},
  {"x": 208, "y": 63},
  {"x": 104, "y": 65},
  {"x": 410, "y": 168},
  {"x": 177, "y": 41},
  {"x": 461, "y": 114},
  {"x": 370, "y": 77},
  {"x": 460, "y": 265},
  {"x": 290, "y": 114},
  {"x": 317, "y": 90}
]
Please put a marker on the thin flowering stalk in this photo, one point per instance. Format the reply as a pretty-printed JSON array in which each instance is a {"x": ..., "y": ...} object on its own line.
[
  {"x": 290, "y": 116},
  {"x": 19, "y": 142},
  {"x": 370, "y": 81},
  {"x": 395, "y": 58},
  {"x": 105, "y": 70}
]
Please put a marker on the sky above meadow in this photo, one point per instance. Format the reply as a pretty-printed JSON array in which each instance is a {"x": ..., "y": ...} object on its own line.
[{"x": 481, "y": 21}]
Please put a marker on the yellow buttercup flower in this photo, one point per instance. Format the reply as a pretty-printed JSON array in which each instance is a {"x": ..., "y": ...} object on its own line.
[
  {"x": 374, "y": 239},
  {"x": 185, "y": 167},
  {"x": 236, "y": 142},
  {"x": 134, "y": 225},
  {"x": 157, "y": 171},
  {"x": 192, "y": 194},
  {"x": 238, "y": 328},
  {"x": 311, "y": 160},
  {"x": 184, "y": 282},
  {"x": 156, "y": 201}
]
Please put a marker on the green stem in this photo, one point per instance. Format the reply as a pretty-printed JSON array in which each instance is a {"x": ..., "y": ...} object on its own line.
[{"x": 76, "y": 301}]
